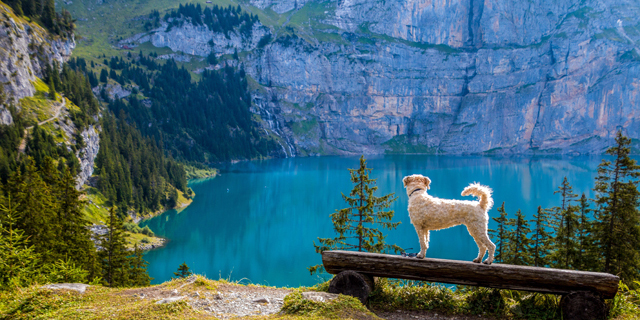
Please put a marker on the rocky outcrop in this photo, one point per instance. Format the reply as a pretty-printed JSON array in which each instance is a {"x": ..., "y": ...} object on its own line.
[
  {"x": 199, "y": 40},
  {"x": 88, "y": 154},
  {"x": 25, "y": 48}
]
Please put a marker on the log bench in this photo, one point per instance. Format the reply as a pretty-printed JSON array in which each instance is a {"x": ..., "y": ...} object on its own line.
[{"x": 583, "y": 292}]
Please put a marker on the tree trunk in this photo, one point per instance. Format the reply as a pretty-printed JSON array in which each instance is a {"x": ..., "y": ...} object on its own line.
[
  {"x": 353, "y": 284},
  {"x": 583, "y": 305}
]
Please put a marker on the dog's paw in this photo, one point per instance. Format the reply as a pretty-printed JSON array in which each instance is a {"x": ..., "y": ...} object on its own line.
[
  {"x": 476, "y": 260},
  {"x": 487, "y": 262}
]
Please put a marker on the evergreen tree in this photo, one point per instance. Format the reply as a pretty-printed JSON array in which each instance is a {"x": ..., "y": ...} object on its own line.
[
  {"x": 617, "y": 228},
  {"x": 500, "y": 234},
  {"x": 75, "y": 238},
  {"x": 49, "y": 14},
  {"x": 565, "y": 226},
  {"x": 541, "y": 240},
  {"x": 183, "y": 271},
  {"x": 113, "y": 255},
  {"x": 356, "y": 224},
  {"x": 585, "y": 259},
  {"x": 139, "y": 275},
  {"x": 104, "y": 76},
  {"x": 520, "y": 244},
  {"x": 52, "y": 89},
  {"x": 18, "y": 260}
]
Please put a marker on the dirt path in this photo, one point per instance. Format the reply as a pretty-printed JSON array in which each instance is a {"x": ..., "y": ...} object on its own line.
[{"x": 57, "y": 108}]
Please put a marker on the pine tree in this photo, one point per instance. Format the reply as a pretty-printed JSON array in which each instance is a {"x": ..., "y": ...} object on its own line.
[
  {"x": 104, "y": 76},
  {"x": 565, "y": 245},
  {"x": 617, "y": 226},
  {"x": 500, "y": 234},
  {"x": 76, "y": 242},
  {"x": 183, "y": 271},
  {"x": 49, "y": 14},
  {"x": 540, "y": 239},
  {"x": 520, "y": 244},
  {"x": 52, "y": 89},
  {"x": 585, "y": 259},
  {"x": 356, "y": 224},
  {"x": 113, "y": 255},
  {"x": 139, "y": 274}
]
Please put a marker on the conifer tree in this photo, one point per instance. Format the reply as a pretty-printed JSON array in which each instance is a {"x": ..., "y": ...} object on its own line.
[
  {"x": 540, "y": 245},
  {"x": 617, "y": 226},
  {"x": 52, "y": 89},
  {"x": 139, "y": 274},
  {"x": 500, "y": 235},
  {"x": 357, "y": 224},
  {"x": 520, "y": 244},
  {"x": 113, "y": 255},
  {"x": 183, "y": 271},
  {"x": 565, "y": 226},
  {"x": 49, "y": 14},
  {"x": 585, "y": 258}
]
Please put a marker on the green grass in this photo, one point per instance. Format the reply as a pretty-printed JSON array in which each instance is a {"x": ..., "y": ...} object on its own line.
[
  {"x": 39, "y": 106},
  {"x": 303, "y": 127}
]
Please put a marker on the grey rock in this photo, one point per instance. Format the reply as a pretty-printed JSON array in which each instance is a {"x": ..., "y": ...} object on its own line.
[
  {"x": 91, "y": 138},
  {"x": 170, "y": 300},
  {"x": 26, "y": 49},
  {"x": 261, "y": 300},
  {"x": 78, "y": 287},
  {"x": 319, "y": 296}
]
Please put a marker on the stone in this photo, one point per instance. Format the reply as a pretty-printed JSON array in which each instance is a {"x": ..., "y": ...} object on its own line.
[
  {"x": 170, "y": 300},
  {"x": 261, "y": 300},
  {"x": 319, "y": 296},
  {"x": 78, "y": 287}
]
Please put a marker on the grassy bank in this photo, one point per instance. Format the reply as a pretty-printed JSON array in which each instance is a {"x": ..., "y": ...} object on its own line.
[{"x": 390, "y": 297}]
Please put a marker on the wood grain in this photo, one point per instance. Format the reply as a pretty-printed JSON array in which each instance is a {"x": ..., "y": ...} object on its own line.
[{"x": 502, "y": 276}]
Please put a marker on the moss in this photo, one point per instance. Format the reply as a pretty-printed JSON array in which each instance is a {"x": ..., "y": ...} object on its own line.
[
  {"x": 303, "y": 127},
  {"x": 343, "y": 307}
]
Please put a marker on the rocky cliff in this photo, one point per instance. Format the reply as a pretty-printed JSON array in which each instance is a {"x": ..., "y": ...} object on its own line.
[
  {"x": 462, "y": 76},
  {"x": 25, "y": 49}
]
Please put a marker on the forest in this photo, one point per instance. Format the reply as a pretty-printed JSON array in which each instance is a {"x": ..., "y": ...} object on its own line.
[
  {"x": 44, "y": 12},
  {"x": 217, "y": 19}
]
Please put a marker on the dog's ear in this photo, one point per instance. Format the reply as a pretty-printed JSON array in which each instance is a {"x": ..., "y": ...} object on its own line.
[
  {"x": 427, "y": 182},
  {"x": 406, "y": 180}
]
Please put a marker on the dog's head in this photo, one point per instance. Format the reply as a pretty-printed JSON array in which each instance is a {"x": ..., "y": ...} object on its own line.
[{"x": 415, "y": 181}]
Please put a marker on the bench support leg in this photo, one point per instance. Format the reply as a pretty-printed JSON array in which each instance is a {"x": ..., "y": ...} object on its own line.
[
  {"x": 583, "y": 305},
  {"x": 353, "y": 284}
]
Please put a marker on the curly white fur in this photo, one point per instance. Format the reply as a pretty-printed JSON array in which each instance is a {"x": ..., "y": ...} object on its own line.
[{"x": 431, "y": 213}]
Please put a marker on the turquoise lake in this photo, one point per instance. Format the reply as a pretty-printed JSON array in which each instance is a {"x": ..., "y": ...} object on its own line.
[{"x": 258, "y": 220}]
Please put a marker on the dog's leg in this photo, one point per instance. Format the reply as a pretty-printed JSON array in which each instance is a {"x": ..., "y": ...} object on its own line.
[
  {"x": 491, "y": 246},
  {"x": 477, "y": 237},
  {"x": 423, "y": 236}
]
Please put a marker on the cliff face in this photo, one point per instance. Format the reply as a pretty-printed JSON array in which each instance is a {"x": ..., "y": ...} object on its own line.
[
  {"x": 25, "y": 48},
  {"x": 462, "y": 76}
]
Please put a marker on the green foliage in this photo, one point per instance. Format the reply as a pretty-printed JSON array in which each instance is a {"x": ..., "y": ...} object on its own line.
[
  {"x": 617, "y": 225},
  {"x": 541, "y": 240},
  {"x": 18, "y": 259},
  {"x": 139, "y": 277},
  {"x": 183, "y": 271},
  {"x": 339, "y": 308},
  {"x": 113, "y": 256},
  {"x": 45, "y": 12},
  {"x": 356, "y": 225},
  {"x": 626, "y": 302},
  {"x": 519, "y": 242},
  {"x": 500, "y": 235},
  {"x": 65, "y": 271},
  {"x": 132, "y": 169},
  {"x": 565, "y": 225}
]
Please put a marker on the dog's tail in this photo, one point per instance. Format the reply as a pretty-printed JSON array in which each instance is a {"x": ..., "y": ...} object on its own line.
[{"x": 482, "y": 192}]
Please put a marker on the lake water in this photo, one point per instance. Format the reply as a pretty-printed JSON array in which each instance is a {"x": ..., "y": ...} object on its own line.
[{"x": 258, "y": 219}]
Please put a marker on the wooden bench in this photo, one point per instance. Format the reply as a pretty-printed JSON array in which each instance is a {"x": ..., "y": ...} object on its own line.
[{"x": 583, "y": 293}]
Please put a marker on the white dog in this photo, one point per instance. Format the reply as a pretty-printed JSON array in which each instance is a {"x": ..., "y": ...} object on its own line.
[{"x": 430, "y": 213}]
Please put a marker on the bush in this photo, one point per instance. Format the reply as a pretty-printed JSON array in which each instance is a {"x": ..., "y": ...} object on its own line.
[
  {"x": 132, "y": 227},
  {"x": 146, "y": 231}
]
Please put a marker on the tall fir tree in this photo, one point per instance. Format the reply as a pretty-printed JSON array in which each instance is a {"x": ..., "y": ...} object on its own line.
[
  {"x": 585, "y": 259},
  {"x": 520, "y": 244},
  {"x": 565, "y": 217},
  {"x": 357, "y": 225},
  {"x": 616, "y": 230},
  {"x": 139, "y": 274},
  {"x": 113, "y": 255},
  {"x": 540, "y": 240},
  {"x": 500, "y": 235}
]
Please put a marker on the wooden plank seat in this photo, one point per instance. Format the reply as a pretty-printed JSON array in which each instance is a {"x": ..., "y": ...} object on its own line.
[{"x": 581, "y": 290}]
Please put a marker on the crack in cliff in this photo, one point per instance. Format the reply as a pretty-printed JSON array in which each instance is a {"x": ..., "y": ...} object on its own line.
[
  {"x": 476, "y": 8},
  {"x": 463, "y": 94}
]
